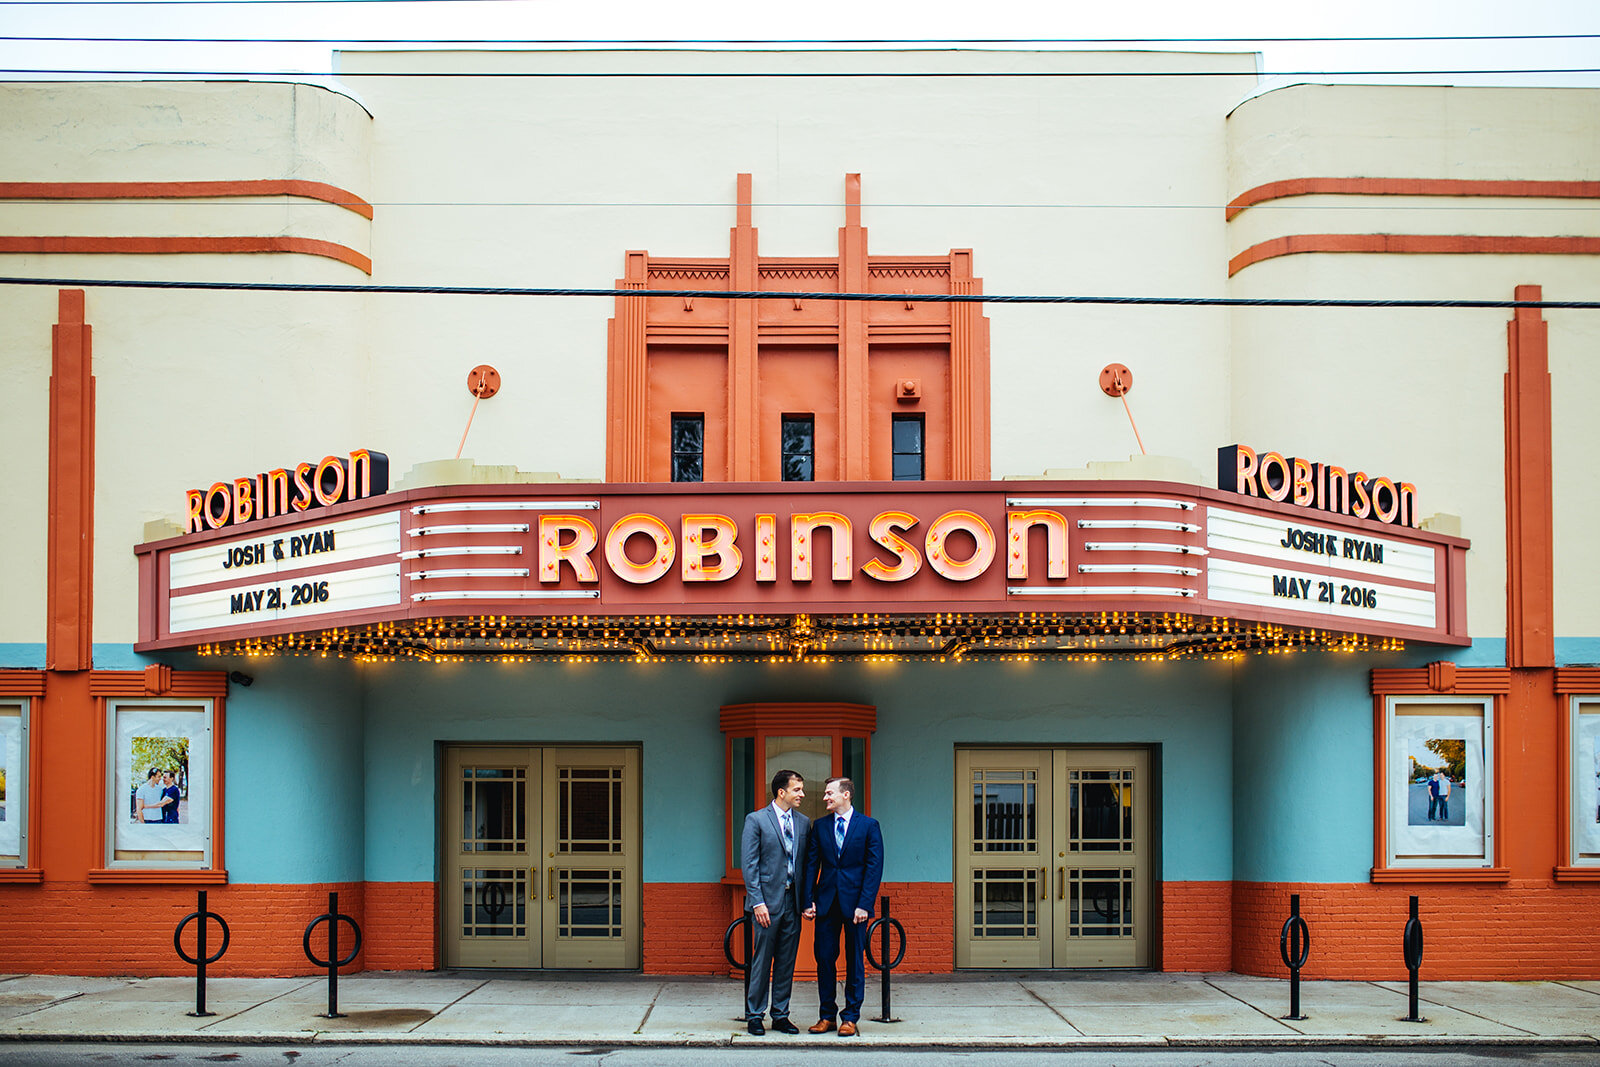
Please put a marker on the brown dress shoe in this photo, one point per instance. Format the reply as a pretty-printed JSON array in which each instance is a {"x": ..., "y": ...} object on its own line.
[
  {"x": 821, "y": 1026},
  {"x": 847, "y": 1029}
]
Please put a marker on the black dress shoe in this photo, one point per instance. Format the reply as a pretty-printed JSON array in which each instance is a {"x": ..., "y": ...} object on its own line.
[
  {"x": 756, "y": 1028},
  {"x": 784, "y": 1026}
]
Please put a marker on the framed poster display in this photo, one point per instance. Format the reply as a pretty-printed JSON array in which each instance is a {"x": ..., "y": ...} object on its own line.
[
  {"x": 13, "y": 783},
  {"x": 159, "y": 785},
  {"x": 1439, "y": 781},
  {"x": 1583, "y": 723}
]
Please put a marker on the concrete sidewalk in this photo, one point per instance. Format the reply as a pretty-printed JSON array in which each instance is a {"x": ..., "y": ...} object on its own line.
[{"x": 1034, "y": 1010}]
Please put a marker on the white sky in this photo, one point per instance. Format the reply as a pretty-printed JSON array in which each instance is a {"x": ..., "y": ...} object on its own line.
[{"x": 349, "y": 23}]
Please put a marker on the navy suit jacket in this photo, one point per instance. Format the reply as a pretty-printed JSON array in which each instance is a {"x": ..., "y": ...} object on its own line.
[{"x": 850, "y": 876}]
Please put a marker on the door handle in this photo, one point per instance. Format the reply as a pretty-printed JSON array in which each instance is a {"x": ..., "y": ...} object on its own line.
[
  {"x": 533, "y": 882},
  {"x": 1044, "y": 883},
  {"x": 550, "y": 882},
  {"x": 1061, "y": 883}
]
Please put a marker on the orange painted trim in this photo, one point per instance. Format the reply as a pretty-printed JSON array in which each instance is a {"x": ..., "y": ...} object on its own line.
[
  {"x": 159, "y": 680},
  {"x": 176, "y": 683},
  {"x": 1578, "y": 679},
  {"x": 1415, "y": 682},
  {"x": 21, "y": 875},
  {"x": 1554, "y": 190},
  {"x": 328, "y": 194},
  {"x": 1441, "y": 874},
  {"x": 22, "y": 683},
  {"x": 35, "y": 856},
  {"x": 69, "y": 608},
  {"x": 744, "y": 272},
  {"x": 1380, "y": 795},
  {"x": 1413, "y": 244},
  {"x": 162, "y": 246},
  {"x": 1577, "y": 874},
  {"x": 1419, "y": 681},
  {"x": 1530, "y": 490},
  {"x": 1564, "y": 792},
  {"x": 847, "y": 718},
  {"x": 126, "y": 876},
  {"x": 760, "y": 721},
  {"x": 627, "y": 457},
  {"x": 643, "y": 336}
]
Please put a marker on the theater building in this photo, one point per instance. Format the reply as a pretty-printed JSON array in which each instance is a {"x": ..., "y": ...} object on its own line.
[{"x": 1128, "y": 620}]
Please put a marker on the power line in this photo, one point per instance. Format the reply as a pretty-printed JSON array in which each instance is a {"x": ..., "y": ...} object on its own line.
[
  {"x": 274, "y": 201},
  {"x": 764, "y": 294},
  {"x": 680, "y": 41},
  {"x": 897, "y": 75}
]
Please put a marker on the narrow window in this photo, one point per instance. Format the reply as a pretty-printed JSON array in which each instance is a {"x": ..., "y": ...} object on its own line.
[
  {"x": 799, "y": 447},
  {"x": 688, "y": 448},
  {"x": 908, "y": 448}
]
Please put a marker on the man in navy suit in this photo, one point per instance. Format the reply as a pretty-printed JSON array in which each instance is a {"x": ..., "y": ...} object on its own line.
[
  {"x": 847, "y": 862},
  {"x": 773, "y": 849}
]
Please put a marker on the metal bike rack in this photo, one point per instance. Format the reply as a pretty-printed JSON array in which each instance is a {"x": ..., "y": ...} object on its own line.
[
  {"x": 883, "y": 964},
  {"x": 200, "y": 959},
  {"x": 748, "y": 922},
  {"x": 333, "y": 918},
  {"x": 1294, "y": 945},
  {"x": 1413, "y": 951}
]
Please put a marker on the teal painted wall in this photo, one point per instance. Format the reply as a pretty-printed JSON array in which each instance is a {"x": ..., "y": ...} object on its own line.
[
  {"x": 331, "y": 771},
  {"x": 1302, "y": 757},
  {"x": 293, "y": 780},
  {"x": 924, "y": 711}
]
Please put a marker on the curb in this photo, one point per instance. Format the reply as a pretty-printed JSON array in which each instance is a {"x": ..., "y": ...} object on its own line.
[{"x": 741, "y": 1041}]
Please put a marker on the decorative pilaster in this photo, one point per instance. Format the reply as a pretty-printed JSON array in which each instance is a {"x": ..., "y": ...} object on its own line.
[
  {"x": 744, "y": 273},
  {"x": 855, "y": 430},
  {"x": 1530, "y": 535},
  {"x": 69, "y": 621},
  {"x": 627, "y": 458}
]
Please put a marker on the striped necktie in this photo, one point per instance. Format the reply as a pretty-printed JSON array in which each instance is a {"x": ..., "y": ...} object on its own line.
[
  {"x": 838, "y": 832},
  {"x": 788, "y": 840}
]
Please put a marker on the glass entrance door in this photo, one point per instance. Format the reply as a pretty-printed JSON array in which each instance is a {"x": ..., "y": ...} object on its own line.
[
  {"x": 1052, "y": 857},
  {"x": 541, "y": 857}
]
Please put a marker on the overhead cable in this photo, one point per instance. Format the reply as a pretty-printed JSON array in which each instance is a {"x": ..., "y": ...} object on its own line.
[{"x": 772, "y": 294}]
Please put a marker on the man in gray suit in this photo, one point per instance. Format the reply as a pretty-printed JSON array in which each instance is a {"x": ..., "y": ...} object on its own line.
[{"x": 773, "y": 853}]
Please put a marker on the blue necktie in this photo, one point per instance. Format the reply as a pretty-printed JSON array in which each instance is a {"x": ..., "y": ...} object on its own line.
[
  {"x": 788, "y": 841},
  {"x": 838, "y": 832}
]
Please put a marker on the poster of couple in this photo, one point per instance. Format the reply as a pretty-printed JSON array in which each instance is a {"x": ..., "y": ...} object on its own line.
[
  {"x": 1437, "y": 784},
  {"x": 1586, "y": 782},
  {"x": 161, "y": 783},
  {"x": 10, "y": 765}
]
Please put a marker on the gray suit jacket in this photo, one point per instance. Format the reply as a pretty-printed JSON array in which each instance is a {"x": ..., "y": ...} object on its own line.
[{"x": 763, "y": 857}]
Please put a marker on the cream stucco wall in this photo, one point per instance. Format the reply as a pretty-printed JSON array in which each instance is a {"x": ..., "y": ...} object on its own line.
[
  {"x": 1060, "y": 183},
  {"x": 191, "y": 387},
  {"x": 1419, "y": 394},
  {"x": 24, "y": 474},
  {"x": 1391, "y": 131}
]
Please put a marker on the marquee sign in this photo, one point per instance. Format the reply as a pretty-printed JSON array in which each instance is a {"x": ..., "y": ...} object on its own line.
[
  {"x": 334, "y": 479},
  {"x": 1322, "y": 486},
  {"x": 609, "y": 550}
]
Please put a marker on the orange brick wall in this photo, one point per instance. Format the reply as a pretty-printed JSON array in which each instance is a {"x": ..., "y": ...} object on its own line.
[
  {"x": 402, "y": 920},
  {"x": 78, "y": 928},
  {"x": 684, "y": 923},
  {"x": 1521, "y": 930},
  {"x": 928, "y": 912},
  {"x": 1197, "y": 926},
  {"x": 683, "y": 927},
  {"x": 1528, "y": 929}
]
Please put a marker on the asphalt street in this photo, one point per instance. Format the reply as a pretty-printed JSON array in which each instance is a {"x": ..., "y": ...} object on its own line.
[{"x": 75, "y": 1054}]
